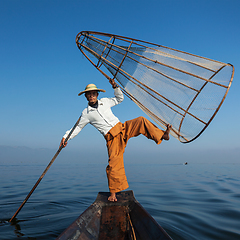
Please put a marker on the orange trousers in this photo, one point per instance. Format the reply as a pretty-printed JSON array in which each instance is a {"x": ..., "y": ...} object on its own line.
[{"x": 117, "y": 139}]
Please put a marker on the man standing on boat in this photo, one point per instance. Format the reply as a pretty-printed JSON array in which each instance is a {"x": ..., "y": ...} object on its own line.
[{"x": 99, "y": 114}]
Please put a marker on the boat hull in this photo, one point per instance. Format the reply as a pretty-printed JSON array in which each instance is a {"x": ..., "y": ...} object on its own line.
[{"x": 121, "y": 220}]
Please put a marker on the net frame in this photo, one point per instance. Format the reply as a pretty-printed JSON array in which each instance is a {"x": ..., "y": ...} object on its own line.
[{"x": 109, "y": 45}]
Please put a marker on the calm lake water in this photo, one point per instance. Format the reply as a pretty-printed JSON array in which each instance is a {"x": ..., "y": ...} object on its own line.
[{"x": 194, "y": 201}]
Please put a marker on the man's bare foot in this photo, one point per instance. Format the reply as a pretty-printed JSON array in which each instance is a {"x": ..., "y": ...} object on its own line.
[
  {"x": 166, "y": 133},
  {"x": 112, "y": 197}
]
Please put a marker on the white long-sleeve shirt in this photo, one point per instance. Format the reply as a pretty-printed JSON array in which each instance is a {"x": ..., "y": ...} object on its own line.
[{"x": 101, "y": 117}]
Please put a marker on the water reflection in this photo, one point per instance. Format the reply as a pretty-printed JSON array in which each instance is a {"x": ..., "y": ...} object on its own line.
[{"x": 197, "y": 200}]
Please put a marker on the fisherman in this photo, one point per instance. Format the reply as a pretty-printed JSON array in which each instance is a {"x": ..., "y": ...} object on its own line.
[{"x": 99, "y": 114}]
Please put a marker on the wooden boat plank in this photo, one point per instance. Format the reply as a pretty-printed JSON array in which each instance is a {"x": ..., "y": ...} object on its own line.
[{"x": 125, "y": 219}]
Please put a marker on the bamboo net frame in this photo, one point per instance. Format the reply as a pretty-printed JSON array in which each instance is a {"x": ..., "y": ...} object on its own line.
[{"x": 169, "y": 85}]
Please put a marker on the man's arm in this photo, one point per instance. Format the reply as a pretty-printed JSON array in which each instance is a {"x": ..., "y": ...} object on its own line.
[
  {"x": 74, "y": 133},
  {"x": 112, "y": 82},
  {"x": 117, "y": 92},
  {"x": 62, "y": 143},
  {"x": 82, "y": 123}
]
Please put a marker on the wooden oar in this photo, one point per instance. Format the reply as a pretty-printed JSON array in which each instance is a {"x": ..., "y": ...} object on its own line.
[{"x": 41, "y": 177}]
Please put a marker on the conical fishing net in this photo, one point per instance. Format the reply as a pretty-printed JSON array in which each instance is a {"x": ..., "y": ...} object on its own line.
[{"x": 170, "y": 86}]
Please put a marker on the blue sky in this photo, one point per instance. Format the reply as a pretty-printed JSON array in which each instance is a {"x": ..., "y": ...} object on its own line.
[{"x": 42, "y": 70}]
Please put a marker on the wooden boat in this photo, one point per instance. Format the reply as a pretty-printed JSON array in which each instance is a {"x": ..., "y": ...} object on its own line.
[{"x": 125, "y": 219}]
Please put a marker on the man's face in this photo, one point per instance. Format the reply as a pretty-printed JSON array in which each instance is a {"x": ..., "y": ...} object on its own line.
[{"x": 91, "y": 96}]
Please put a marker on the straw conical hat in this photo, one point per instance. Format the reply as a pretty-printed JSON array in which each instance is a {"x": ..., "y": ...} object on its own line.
[{"x": 91, "y": 87}]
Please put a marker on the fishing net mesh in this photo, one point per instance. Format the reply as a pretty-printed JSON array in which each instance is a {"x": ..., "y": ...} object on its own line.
[{"x": 170, "y": 86}]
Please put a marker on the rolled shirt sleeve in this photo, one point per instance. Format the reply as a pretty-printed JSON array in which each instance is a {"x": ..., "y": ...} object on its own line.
[{"x": 118, "y": 95}]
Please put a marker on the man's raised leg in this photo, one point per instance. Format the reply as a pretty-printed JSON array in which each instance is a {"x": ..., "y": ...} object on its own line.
[{"x": 166, "y": 133}]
